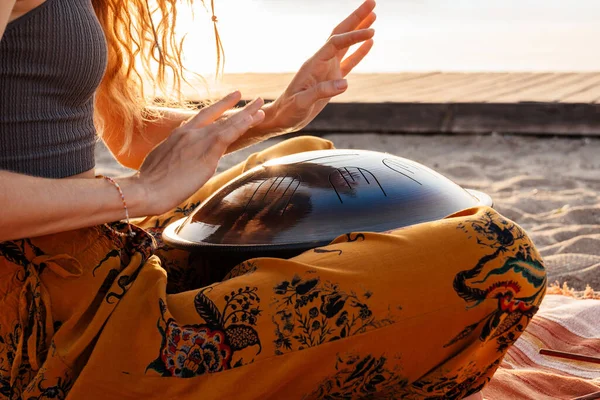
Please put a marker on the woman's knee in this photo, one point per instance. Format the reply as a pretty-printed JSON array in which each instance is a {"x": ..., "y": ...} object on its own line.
[
  {"x": 309, "y": 143},
  {"x": 295, "y": 145},
  {"x": 507, "y": 268}
]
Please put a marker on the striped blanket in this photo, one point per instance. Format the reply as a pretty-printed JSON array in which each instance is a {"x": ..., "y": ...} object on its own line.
[{"x": 565, "y": 324}]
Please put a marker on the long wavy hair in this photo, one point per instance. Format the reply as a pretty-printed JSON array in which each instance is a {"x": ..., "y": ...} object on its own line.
[{"x": 142, "y": 50}]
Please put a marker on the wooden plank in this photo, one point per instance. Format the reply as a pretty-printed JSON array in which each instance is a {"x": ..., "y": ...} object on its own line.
[
  {"x": 385, "y": 87},
  {"x": 460, "y": 118},
  {"x": 477, "y": 88},
  {"x": 432, "y": 87},
  {"x": 484, "y": 92},
  {"x": 557, "y": 94},
  {"x": 588, "y": 94},
  {"x": 472, "y": 81},
  {"x": 363, "y": 87},
  {"x": 445, "y": 83},
  {"x": 527, "y": 118},
  {"x": 545, "y": 91},
  {"x": 379, "y": 118},
  {"x": 530, "y": 80},
  {"x": 398, "y": 92},
  {"x": 477, "y": 84}
]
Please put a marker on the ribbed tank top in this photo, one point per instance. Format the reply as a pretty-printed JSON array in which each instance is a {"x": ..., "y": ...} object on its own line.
[{"x": 52, "y": 60}]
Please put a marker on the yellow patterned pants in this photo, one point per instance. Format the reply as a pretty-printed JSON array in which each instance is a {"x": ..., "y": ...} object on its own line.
[{"x": 424, "y": 312}]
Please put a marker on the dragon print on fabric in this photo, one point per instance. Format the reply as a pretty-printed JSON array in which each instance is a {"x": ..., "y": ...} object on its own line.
[
  {"x": 26, "y": 342},
  {"x": 9, "y": 348},
  {"x": 311, "y": 312},
  {"x": 45, "y": 390},
  {"x": 364, "y": 377},
  {"x": 358, "y": 237},
  {"x": 245, "y": 268},
  {"x": 192, "y": 350},
  {"x": 143, "y": 243},
  {"x": 20, "y": 252},
  {"x": 465, "y": 381},
  {"x": 156, "y": 229},
  {"x": 156, "y": 232},
  {"x": 512, "y": 253},
  {"x": 187, "y": 208},
  {"x": 512, "y": 275}
]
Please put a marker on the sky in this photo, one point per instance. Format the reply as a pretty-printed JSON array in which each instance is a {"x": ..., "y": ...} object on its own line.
[{"x": 411, "y": 35}]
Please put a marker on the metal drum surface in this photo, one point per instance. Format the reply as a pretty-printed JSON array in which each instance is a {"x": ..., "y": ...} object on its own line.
[{"x": 305, "y": 200}]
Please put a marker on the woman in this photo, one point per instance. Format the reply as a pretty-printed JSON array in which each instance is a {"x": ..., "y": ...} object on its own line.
[{"x": 94, "y": 309}]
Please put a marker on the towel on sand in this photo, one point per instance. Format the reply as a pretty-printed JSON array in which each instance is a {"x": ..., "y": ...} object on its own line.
[{"x": 563, "y": 323}]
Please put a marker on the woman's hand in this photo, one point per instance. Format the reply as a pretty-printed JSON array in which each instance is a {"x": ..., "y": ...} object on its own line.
[
  {"x": 321, "y": 77},
  {"x": 174, "y": 170},
  {"x": 187, "y": 159}
]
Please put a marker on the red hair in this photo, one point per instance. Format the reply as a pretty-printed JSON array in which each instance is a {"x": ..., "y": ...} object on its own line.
[{"x": 140, "y": 50}]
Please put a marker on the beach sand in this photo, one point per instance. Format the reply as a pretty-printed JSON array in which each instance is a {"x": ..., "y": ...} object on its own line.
[{"x": 549, "y": 186}]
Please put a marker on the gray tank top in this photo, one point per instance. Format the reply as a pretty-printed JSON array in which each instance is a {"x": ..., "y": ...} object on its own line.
[{"x": 52, "y": 59}]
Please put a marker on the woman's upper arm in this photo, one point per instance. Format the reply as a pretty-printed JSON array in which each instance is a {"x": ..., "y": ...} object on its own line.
[{"x": 6, "y": 7}]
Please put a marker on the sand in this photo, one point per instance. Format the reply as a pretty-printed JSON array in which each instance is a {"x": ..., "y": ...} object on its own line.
[{"x": 549, "y": 186}]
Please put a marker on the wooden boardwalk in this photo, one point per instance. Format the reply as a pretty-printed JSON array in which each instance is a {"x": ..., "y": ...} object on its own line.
[
  {"x": 525, "y": 103},
  {"x": 438, "y": 87}
]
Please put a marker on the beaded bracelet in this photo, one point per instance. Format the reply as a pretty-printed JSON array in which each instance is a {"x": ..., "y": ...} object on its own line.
[{"x": 131, "y": 233}]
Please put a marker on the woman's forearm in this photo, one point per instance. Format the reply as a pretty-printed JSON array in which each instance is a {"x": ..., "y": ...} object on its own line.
[
  {"x": 158, "y": 130},
  {"x": 172, "y": 118},
  {"x": 261, "y": 132},
  {"x": 32, "y": 206}
]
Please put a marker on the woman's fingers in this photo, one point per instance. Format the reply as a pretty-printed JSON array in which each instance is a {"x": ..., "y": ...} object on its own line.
[
  {"x": 324, "y": 90},
  {"x": 355, "y": 19},
  {"x": 365, "y": 24},
  {"x": 355, "y": 58},
  {"x": 211, "y": 113},
  {"x": 342, "y": 42},
  {"x": 231, "y": 128}
]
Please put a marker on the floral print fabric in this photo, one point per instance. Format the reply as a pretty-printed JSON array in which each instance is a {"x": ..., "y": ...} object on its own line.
[{"x": 424, "y": 312}]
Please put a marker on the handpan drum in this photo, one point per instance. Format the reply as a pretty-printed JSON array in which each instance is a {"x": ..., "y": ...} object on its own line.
[{"x": 294, "y": 203}]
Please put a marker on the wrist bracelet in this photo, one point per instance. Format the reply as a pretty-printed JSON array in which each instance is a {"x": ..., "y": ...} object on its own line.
[{"x": 131, "y": 233}]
